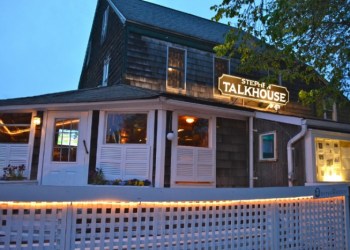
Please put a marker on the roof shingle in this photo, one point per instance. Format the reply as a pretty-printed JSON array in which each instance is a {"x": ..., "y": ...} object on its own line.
[
  {"x": 117, "y": 92},
  {"x": 167, "y": 19}
]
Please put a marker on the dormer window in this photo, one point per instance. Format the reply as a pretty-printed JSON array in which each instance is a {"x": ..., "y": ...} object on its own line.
[
  {"x": 176, "y": 73},
  {"x": 105, "y": 71},
  {"x": 104, "y": 25}
]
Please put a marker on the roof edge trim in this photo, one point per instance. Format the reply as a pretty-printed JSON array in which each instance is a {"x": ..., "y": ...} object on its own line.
[{"x": 116, "y": 10}]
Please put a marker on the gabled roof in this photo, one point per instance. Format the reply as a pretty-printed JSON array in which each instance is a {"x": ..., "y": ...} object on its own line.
[
  {"x": 119, "y": 92},
  {"x": 159, "y": 17}
]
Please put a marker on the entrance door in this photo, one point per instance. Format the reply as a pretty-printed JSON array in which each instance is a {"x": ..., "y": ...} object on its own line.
[{"x": 66, "y": 150}]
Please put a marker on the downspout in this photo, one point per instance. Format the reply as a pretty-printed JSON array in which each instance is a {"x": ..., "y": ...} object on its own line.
[
  {"x": 251, "y": 153},
  {"x": 290, "y": 148}
]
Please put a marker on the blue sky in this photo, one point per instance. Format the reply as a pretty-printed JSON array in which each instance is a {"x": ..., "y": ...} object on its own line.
[{"x": 43, "y": 42}]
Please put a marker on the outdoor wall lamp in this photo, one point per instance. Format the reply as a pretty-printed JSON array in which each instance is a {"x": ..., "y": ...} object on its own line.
[
  {"x": 37, "y": 120},
  {"x": 170, "y": 135}
]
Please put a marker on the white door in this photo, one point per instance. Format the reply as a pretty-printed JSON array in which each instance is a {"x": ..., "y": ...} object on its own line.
[{"x": 66, "y": 151}]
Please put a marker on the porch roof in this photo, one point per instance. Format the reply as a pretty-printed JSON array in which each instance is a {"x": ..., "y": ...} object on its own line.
[{"x": 113, "y": 93}]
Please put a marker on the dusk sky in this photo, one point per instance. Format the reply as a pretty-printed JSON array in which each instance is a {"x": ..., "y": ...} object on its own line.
[{"x": 43, "y": 42}]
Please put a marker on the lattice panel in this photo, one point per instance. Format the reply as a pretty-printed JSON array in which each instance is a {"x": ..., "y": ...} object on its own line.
[
  {"x": 300, "y": 223},
  {"x": 315, "y": 224},
  {"x": 32, "y": 225},
  {"x": 291, "y": 224},
  {"x": 207, "y": 225}
]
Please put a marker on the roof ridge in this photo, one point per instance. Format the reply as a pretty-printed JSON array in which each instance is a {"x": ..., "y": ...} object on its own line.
[
  {"x": 183, "y": 12},
  {"x": 170, "y": 20}
]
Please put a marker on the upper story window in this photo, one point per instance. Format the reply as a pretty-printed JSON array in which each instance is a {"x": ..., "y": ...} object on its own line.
[
  {"x": 105, "y": 71},
  {"x": 15, "y": 128},
  {"x": 221, "y": 66},
  {"x": 267, "y": 146},
  {"x": 126, "y": 128},
  {"x": 176, "y": 74},
  {"x": 193, "y": 131},
  {"x": 104, "y": 25}
]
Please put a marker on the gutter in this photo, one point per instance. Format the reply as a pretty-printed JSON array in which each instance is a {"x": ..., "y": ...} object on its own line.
[{"x": 290, "y": 149}]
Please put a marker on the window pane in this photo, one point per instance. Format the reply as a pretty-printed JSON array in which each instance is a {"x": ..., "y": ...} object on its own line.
[
  {"x": 126, "y": 128},
  {"x": 15, "y": 128},
  {"x": 267, "y": 146},
  {"x": 193, "y": 131},
  {"x": 332, "y": 160},
  {"x": 13, "y": 118},
  {"x": 176, "y": 68},
  {"x": 65, "y": 140},
  {"x": 221, "y": 67}
]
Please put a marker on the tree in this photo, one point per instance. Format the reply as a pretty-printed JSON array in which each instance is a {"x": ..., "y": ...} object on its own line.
[{"x": 307, "y": 40}]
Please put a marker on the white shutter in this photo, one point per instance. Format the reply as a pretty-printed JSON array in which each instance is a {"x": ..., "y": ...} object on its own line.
[
  {"x": 15, "y": 155},
  {"x": 205, "y": 165},
  {"x": 125, "y": 161},
  {"x": 137, "y": 162},
  {"x": 194, "y": 164},
  {"x": 3, "y": 156},
  {"x": 185, "y": 164}
]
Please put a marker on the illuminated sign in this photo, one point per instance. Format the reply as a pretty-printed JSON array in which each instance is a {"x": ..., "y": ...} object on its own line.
[{"x": 251, "y": 89}]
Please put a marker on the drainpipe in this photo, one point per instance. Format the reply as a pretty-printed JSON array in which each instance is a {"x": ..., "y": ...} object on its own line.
[
  {"x": 251, "y": 153},
  {"x": 297, "y": 137}
]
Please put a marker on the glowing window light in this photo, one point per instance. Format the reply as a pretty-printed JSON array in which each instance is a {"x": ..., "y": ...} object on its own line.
[
  {"x": 9, "y": 132},
  {"x": 190, "y": 120}
]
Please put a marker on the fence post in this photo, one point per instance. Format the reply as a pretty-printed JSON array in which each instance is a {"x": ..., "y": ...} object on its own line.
[
  {"x": 347, "y": 218},
  {"x": 69, "y": 225},
  {"x": 275, "y": 225}
]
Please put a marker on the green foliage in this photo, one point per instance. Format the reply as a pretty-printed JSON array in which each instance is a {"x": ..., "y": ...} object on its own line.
[
  {"x": 97, "y": 177},
  {"x": 305, "y": 40}
]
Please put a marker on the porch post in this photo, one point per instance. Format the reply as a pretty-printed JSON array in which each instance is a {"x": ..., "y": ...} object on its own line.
[{"x": 160, "y": 149}]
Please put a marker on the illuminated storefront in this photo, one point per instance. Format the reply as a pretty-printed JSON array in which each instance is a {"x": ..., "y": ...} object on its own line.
[{"x": 155, "y": 105}]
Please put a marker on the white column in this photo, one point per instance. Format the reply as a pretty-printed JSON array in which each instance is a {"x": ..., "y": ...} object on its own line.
[{"x": 160, "y": 149}]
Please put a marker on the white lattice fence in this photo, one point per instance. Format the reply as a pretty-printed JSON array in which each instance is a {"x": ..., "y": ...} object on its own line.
[
  {"x": 302, "y": 222},
  {"x": 27, "y": 225},
  {"x": 312, "y": 224}
]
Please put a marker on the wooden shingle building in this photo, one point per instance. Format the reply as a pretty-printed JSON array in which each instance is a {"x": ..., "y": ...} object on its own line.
[{"x": 155, "y": 103}]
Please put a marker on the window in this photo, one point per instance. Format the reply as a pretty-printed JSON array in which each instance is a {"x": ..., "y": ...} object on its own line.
[
  {"x": 221, "y": 66},
  {"x": 176, "y": 76},
  {"x": 66, "y": 139},
  {"x": 15, "y": 128},
  {"x": 105, "y": 71},
  {"x": 193, "y": 131},
  {"x": 267, "y": 146},
  {"x": 104, "y": 25},
  {"x": 126, "y": 128},
  {"x": 332, "y": 160}
]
